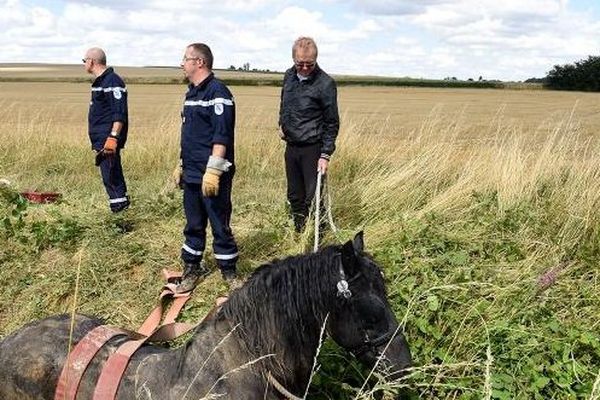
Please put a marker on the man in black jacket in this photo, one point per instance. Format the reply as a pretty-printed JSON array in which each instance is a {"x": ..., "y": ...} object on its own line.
[{"x": 309, "y": 123}]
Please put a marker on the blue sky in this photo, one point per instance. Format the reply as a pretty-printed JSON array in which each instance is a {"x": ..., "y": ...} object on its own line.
[{"x": 495, "y": 39}]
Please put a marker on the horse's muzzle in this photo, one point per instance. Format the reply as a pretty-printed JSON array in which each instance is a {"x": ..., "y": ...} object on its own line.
[{"x": 395, "y": 358}]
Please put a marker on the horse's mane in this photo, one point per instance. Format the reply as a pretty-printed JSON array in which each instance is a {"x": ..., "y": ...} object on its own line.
[{"x": 283, "y": 304}]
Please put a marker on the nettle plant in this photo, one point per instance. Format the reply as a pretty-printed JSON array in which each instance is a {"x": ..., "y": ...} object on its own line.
[{"x": 12, "y": 216}]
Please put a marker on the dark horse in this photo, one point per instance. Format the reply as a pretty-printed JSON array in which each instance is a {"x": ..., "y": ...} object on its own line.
[{"x": 270, "y": 326}]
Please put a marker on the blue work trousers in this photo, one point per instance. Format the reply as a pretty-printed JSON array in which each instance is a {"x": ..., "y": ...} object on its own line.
[
  {"x": 114, "y": 181},
  {"x": 200, "y": 210}
]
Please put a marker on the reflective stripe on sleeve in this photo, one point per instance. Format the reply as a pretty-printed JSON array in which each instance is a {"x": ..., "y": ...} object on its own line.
[
  {"x": 208, "y": 103},
  {"x": 109, "y": 89}
]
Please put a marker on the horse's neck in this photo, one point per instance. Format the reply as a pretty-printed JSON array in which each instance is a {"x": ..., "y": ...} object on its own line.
[
  {"x": 278, "y": 334},
  {"x": 297, "y": 361},
  {"x": 279, "y": 352},
  {"x": 301, "y": 358}
]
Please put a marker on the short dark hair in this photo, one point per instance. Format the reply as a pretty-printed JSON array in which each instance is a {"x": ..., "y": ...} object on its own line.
[{"x": 203, "y": 51}]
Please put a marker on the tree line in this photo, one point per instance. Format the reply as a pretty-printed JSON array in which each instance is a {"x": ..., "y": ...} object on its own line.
[{"x": 582, "y": 75}]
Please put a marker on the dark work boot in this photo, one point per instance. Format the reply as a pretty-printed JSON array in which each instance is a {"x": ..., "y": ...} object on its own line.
[
  {"x": 231, "y": 277},
  {"x": 299, "y": 222},
  {"x": 192, "y": 273},
  {"x": 117, "y": 208}
]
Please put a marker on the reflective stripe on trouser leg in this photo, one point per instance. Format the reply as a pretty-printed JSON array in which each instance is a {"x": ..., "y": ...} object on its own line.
[
  {"x": 114, "y": 181},
  {"x": 195, "y": 227},
  {"x": 219, "y": 214}
]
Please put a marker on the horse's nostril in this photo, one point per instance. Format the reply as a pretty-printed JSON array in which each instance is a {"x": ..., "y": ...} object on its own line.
[{"x": 386, "y": 361}]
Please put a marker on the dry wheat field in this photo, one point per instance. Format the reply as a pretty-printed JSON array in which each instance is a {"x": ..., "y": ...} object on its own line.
[{"x": 481, "y": 204}]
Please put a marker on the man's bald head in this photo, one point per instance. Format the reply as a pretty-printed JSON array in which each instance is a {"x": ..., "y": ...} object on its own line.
[{"x": 96, "y": 54}]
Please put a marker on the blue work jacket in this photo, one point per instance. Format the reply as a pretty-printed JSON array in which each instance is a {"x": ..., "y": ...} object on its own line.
[
  {"x": 208, "y": 118},
  {"x": 108, "y": 104}
]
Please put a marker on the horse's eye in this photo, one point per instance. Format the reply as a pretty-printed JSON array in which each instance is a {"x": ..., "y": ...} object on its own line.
[{"x": 371, "y": 309}]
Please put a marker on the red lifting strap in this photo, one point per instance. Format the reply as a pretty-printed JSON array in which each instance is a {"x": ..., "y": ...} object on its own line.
[
  {"x": 153, "y": 320},
  {"x": 114, "y": 368},
  {"x": 112, "y": 371},
  {"x": 79, "y": 359}
]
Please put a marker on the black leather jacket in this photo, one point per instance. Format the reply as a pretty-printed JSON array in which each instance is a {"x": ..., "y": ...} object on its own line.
[{"x": 308, "y": 111}]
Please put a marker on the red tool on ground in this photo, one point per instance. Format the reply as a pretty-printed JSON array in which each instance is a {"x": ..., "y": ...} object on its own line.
[{"x": 41, "y": 197}]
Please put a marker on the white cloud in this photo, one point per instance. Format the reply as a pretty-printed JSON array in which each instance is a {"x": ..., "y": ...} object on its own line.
[
  {"x": 510, "y": 39},
  {"x": 295, "y": 21},
  {"x": 395, "y": 7}
]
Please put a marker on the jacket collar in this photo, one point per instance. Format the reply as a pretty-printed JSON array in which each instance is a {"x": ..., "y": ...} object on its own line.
[
  {"x": 202, "y": 85},
  {"x": 311, "y": 76},
  {"x": 100, "y": 77}
]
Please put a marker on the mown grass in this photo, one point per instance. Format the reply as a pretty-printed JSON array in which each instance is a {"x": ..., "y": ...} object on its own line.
[{"x": 488, "y": 232}]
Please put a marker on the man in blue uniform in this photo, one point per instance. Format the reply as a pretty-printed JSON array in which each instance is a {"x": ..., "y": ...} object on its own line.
[
  {"x": 107, "y": 125},
  {"x": 309, "y": 123},
  {"x": 207, "y": 160}
]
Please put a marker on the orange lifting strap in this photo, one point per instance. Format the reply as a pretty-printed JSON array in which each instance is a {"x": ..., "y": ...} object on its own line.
[{"x": 150, "y": 331}]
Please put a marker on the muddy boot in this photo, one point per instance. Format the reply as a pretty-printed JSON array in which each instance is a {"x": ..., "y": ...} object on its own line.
[
  {"x": 192, "y": 273},
  {"x": 299, "y": 222},
  {"x": 231, "y": 277}
]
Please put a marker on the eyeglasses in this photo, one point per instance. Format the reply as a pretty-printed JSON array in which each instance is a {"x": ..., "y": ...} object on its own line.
[
  {"x": 85, "y": 59},
  {"x": 304, "y": 64},
  {"x": 186, "y": 59}
]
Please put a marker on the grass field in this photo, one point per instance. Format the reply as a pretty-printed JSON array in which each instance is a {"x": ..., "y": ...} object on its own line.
[
  {"x": 75, "y": 72},
  {"x": 31, "y": 72},
  {"x": 481, "y": 204}
]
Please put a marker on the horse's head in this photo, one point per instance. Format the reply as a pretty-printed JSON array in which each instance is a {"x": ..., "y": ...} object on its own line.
[{"x": 364, "y": 323}]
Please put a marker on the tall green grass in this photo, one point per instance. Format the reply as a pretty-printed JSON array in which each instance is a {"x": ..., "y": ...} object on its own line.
[{"x": 490, "y": 241}]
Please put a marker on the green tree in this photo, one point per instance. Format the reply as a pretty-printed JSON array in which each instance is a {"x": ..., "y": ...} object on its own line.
[{"x": 582, "y": 75}]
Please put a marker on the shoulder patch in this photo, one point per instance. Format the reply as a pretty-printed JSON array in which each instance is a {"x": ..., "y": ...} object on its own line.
[
  {"x": 219, "y": 108},
  {"x": 117, "y": 93}
]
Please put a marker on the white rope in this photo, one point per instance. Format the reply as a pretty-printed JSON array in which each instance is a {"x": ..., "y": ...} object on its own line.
[
  {"x": 317, "y": 210},
  {"x": 288, "y": 395},
  {"x": 328, "y": 209}
]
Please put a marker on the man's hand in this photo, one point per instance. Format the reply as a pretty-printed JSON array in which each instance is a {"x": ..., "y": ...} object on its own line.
[
  {"x": 177, "y": 174},
  {"x": 110, "y": 146},
  {"x": 322, "y": 165},
  {"x": 210, "y": 182}
]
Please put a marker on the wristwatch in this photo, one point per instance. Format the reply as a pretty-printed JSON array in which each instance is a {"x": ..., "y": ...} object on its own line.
[{"x": 114, "y": 134}]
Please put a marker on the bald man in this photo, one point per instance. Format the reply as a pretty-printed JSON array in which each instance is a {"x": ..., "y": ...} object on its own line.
[{"x": 107, "y": 125}]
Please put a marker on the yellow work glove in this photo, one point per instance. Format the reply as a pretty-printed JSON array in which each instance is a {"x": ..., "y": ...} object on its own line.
[{"x": 210, "y": 182}]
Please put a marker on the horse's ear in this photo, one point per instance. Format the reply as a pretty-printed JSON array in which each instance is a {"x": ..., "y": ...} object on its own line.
[
  {"x": 358, "y": 243},
  {"x": 349, "y": 256},
  {"x": 350, "y": 252}
]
